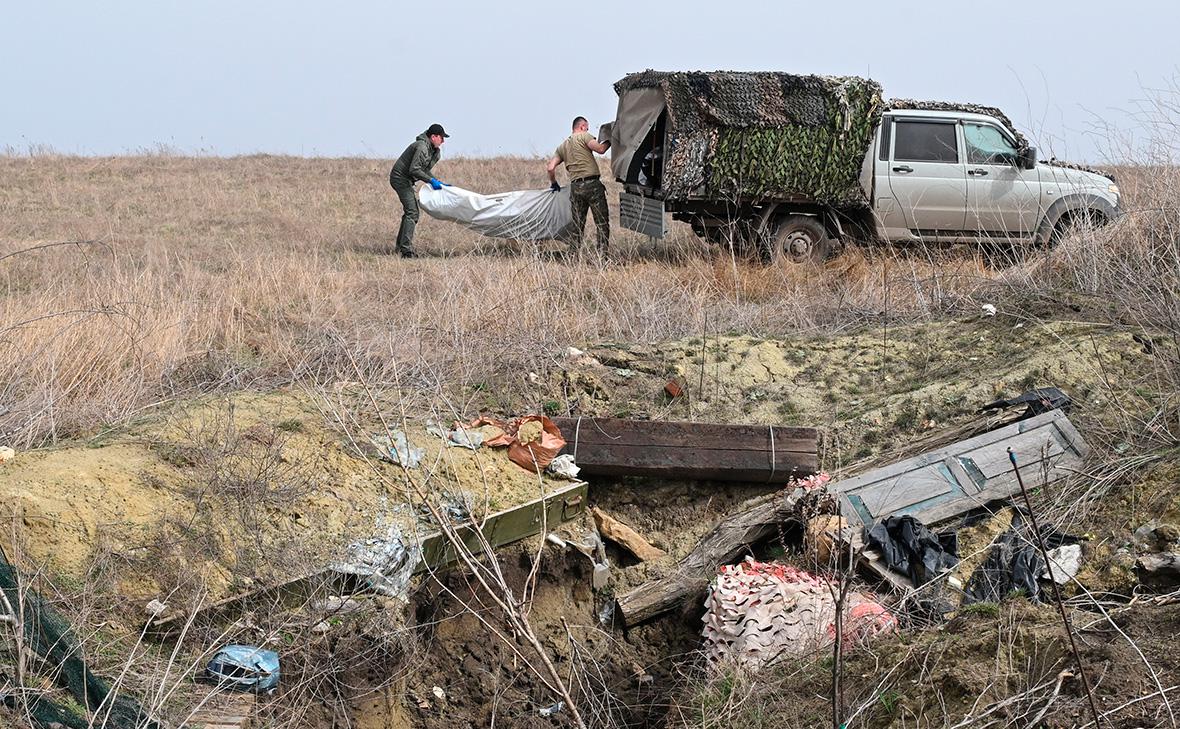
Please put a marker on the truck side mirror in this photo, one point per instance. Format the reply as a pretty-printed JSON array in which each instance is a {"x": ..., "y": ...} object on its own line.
[{"x": 1026, "y": 158}]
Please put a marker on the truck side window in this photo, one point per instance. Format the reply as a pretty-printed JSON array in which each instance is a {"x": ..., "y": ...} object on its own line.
[
  {"x": 987, "y": 145},
  {"x": 922, "y": 141}
]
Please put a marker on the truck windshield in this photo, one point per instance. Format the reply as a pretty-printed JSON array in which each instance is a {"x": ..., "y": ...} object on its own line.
[{"x": 987, "y": 145}]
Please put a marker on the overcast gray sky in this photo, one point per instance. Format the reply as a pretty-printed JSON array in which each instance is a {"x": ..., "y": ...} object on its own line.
[{"x": 362, "y": 78}]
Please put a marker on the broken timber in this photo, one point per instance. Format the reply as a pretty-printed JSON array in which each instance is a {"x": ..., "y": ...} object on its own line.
[
  {"x": 757, "y": 520},
  {"x": 708, "y": 451},
  {"x": 932, "y": 487},
  {"x": 499, "y": 529}
]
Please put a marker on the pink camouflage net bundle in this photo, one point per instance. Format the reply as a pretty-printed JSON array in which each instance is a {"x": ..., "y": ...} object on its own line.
[{"x": 758, "y": 612}]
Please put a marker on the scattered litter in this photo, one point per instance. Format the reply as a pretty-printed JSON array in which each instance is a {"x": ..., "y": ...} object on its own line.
[
  {"x": 1014, "y": 564},
  {"x": 458, "y": 437},
  {"x": 625, "y": 536},
  {"x": 386, "y": 562},
  {"x": 624, "y": 372},
  {"x": 1040, "y": 400},
  {"x": 244, "y": 668},
  {"x": 673, "y": 389},
  {"x": 758, "y": 612},
  {"x": 321, "y": 627},
  {"x": 439, "y": 693},
  {"x": 556, "y": 540},
  {"x": 989, "y": 309},
  {"x": 564, "y": 467},
  {"x": 606, "y": 614},
  {"x": 6, "y": 454},
  {"x": 1064, "y": 562},
  {"x": 155, "y": 608},
  {"x": 574, "y": 353},
  {"x": 551, "y": 710},
  {"x": 600, "y": 577},
  {"x": 909, "y": 547},
  {"x": 536, "y": 444},
  {"x": 397, "y": 449}
]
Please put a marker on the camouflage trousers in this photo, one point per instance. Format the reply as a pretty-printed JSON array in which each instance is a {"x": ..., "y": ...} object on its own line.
[{"x": 589, "y": 195}]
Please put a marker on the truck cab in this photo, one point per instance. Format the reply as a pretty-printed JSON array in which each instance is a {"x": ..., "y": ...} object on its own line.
[{"x": 954, "y": 176}]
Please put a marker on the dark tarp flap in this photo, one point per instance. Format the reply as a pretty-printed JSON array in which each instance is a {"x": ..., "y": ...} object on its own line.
[
  {"x": 1014, "y": 564},
  {"x": 909, "y": 547},
  {"x": 639, "y": 109}
]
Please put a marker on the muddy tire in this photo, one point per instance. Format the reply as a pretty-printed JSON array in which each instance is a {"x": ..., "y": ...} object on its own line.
[{"x": 800, "y": 239}]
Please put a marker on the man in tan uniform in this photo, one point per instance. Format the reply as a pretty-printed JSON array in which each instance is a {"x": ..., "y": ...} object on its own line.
[{"x": 586, "y": 189}]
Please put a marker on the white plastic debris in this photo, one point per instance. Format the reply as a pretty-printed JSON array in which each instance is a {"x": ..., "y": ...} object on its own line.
[
  {"x": 155, "y": 608},
  {"x": 574, "y": 353},
  {"x": 989, "y": 309},
  {"x": 439, "y": 693},
  {"x": 551, "y": 710},
  {"x": 387, "y": 561},
  {"x": 6, "y": 454},
  {"x": 397, "y": 449},
  {"x": 1064, "y": 562},
  {"x": 564, "y": 467}
]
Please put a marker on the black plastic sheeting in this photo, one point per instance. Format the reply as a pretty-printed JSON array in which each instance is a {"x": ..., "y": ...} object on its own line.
[
  {"x": 908, "y": 546},
  {"x": 1014, "y": 564}
]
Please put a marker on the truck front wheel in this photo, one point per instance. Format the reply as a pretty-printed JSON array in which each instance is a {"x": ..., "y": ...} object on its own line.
[{"x": 801, "y": 239}]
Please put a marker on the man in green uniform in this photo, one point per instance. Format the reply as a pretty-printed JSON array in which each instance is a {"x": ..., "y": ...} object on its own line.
[
  {"x": 413, "y": 166},
  {"x": 586, "y": 189}
]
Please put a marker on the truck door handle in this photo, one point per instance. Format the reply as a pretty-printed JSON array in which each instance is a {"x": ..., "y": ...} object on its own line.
[
  {"x": 977, "y": 171},
  {"x": 903, "y": 168}
]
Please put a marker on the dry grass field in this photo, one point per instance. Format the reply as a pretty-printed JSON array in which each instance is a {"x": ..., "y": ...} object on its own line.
[
  {"x": 126, "y": 281},
  {"x": 129, "y": 283}
]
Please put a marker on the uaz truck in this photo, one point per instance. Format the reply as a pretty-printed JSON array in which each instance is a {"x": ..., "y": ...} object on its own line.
[{"x": 794, "y": 166}]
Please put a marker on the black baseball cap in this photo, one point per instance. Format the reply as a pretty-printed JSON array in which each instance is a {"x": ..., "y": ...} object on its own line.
[{"x": 436, "y": 129}]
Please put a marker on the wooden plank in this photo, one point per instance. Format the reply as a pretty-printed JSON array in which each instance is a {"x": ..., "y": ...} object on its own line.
[
  {"x": 710, "y": 451},
  {"x": 680, "y": 434}
]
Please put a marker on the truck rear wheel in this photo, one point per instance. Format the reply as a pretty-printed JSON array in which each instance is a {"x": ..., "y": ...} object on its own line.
[{"x": 801, "y": 239}]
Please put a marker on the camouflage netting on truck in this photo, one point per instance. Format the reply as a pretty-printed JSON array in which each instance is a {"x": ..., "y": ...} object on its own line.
[
  {"x": 765, "y": 134},
  {"x": 50, "y": 636}
]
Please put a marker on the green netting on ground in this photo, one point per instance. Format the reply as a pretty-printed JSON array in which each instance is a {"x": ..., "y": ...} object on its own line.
[
  {"x": 762, "y": 135},
  {"x": 52, "y": 638}
]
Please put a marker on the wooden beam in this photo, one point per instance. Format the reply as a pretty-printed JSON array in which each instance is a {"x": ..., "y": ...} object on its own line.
[
  {"x": 755, "y": 521},
  {"x": 710, "y": 451}
]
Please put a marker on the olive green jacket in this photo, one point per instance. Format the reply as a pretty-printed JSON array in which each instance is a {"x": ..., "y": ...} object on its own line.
[{"x": 416, "y": 162}]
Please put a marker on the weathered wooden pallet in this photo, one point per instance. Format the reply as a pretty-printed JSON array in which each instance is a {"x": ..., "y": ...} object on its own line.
[
  {"x": 708, "y": 451},
  {"x": 955, "y": 479},
  {"x": 499, "y": 529}
]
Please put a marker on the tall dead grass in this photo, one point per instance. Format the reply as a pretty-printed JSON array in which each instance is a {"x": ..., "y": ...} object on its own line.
[
  {"x": 197, "y": 273},
  {"x": 187, "y": 274}
]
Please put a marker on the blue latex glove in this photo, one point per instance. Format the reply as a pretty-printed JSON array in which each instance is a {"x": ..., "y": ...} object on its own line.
[
  {"x": 554, "y": 187},
  {"x": 436, "y": 184}
]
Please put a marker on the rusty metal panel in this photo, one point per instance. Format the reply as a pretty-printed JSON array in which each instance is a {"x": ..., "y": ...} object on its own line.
[{"x": 963, "y": 476}]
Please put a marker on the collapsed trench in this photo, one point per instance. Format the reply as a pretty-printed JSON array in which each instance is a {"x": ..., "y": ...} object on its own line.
[{"x": 621, "y": 676}]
